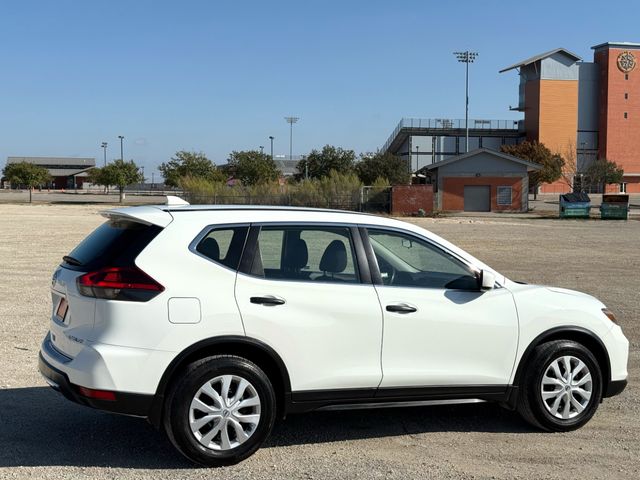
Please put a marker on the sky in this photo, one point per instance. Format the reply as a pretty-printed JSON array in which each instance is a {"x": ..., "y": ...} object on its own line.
[{"x": 215, "y": 76}]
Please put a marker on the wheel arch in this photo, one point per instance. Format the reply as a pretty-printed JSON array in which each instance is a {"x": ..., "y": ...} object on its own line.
[
  {"x": 254, "y": 350},
  {"x": 577, "y": 334}
]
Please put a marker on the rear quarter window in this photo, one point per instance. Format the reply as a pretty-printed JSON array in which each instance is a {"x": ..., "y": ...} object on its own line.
[
  {"x": 115, "y": 243},
  {"x": 224, "y": 245}
]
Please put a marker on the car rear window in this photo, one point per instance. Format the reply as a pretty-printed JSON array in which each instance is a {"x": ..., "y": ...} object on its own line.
[{"x": 114, "y": 243}]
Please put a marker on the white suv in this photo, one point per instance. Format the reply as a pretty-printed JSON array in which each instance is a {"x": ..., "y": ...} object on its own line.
[{"x": 214, "y": 321}]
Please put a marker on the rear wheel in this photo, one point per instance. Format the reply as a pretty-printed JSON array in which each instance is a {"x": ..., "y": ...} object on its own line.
[
  {"x": 561, "y": 388},
  {"x": 220, "y": 411}
]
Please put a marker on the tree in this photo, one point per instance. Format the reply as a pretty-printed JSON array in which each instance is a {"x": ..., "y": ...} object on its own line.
[
  {"x": 571, "y": 168},
  {"x": 604, "y": 172},
  {"x": 382, "y": 164},
  {"x": 552, "y": 163},
  {"x": 27, "y": 174},
  {"x": 98, "y": 177},
  {"x": 252, "y": 167},
  {"x": 319, "y": 164},
  {"x": 118, "y": 173},
  {"x": 189, "y": 164}
]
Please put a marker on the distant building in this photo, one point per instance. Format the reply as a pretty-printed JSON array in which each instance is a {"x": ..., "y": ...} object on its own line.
[
  {"x": 589, "y": 108},
  {"x": 482, "y": 180},
  {"x": 286, "y": 166},
  {"x": 66, "y": 173},
  {"x": 424, "y": 141},
  {"x": 581, "y": 110}
]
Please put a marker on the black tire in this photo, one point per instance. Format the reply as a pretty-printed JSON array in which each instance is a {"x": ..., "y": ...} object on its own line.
[
  {"x": 530, "y": 403},
  {"x": 181, "y": 393}
]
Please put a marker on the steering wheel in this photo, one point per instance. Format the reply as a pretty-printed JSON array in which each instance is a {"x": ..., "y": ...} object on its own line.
[{"x": 390, "y": 271}]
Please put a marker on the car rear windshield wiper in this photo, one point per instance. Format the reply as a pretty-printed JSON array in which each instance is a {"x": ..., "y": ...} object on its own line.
[{"x": 72, "y": 261}]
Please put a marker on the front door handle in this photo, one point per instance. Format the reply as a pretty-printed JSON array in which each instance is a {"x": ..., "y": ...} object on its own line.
[
  {"x": 268, "y": 300},
  {"x": 401, "y": 308}
]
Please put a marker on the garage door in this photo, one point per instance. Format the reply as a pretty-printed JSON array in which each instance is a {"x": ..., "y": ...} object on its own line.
[{"x": 477, "y": 198}]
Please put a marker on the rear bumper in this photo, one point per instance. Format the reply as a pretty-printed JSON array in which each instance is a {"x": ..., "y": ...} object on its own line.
[{"x": 125, "y": 403}]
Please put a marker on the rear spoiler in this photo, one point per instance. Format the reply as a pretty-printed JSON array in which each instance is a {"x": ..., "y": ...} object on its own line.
[
  {"x": 144, "y": 214},
  {"x": 148, "y": 215}
]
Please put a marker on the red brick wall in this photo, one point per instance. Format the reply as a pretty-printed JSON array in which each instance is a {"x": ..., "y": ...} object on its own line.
[
  {"x": 633, "y": 186},
  {"x": 408, "y": 199},
  {"x": 559, "y": 186},
  {"x": 453, "y": 192},
  {"x": 619, "y": 140}
]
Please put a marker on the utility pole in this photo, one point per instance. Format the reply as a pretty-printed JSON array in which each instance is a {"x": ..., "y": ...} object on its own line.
[
  {"x": 271, "y": 137},
  {"x": 291, "y": 121},
  {"x": 417, "y": 160},
  {"x": 466, "y": 57},
  {"x": 121, "y": 148},
  {"x": 261, "y": 149},
  {"x": 104, "y": 148}
]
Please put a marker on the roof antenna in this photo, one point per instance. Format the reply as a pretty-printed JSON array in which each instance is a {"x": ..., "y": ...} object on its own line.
[{"x": 174, "y": 201}]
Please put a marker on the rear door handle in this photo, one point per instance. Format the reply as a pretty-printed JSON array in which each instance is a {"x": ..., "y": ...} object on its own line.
[
  {"x": 401, "y": 308},
  {"x": 268, "y": 300}
]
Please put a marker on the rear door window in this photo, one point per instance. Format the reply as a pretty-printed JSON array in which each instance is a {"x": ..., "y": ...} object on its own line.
[
  {"x": 305, "y": 253},
  {"x": 115, "y": 243}
]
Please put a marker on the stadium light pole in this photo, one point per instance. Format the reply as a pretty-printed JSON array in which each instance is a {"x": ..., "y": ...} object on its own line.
[
  {"x": 271, "y": 137},
  {"x": 104, "y": 148},
  {"x": 291, "y": 121},
  {"x": 261, "y": 149},
  {"x": 466, "y": 57},
  {"x": 121, "y": 147}
]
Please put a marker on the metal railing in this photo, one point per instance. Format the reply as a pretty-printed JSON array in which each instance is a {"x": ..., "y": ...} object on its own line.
[{"x": 450, "y": 124}]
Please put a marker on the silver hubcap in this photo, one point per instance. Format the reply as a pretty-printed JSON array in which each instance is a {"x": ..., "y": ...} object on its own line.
[
  {"x": 566, "y": 387},
  {"x": 224, "y": 412}
]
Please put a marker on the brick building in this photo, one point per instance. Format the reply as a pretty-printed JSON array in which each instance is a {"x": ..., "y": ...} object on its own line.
[
  {"x": 584, "y": 110},
  {"x": 482, "y": 180}
]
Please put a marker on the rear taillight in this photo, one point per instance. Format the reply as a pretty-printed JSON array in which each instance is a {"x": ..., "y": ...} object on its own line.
[{"x": 119, "y": 283}]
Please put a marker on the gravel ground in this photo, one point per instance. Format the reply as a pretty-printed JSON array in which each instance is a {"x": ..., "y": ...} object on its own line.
[{"x": 44, "y": 436}]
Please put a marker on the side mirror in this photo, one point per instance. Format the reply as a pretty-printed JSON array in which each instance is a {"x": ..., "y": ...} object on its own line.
[{"x": 487, "y": 280}]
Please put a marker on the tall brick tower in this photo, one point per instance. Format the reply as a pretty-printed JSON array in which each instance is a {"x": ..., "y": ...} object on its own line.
[
  {"x": 549, "y": 98},
  {"x": 619, "y": 108}
]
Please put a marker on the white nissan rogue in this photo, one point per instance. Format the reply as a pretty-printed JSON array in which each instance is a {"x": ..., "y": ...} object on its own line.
[{"x": 214, "y": 321}]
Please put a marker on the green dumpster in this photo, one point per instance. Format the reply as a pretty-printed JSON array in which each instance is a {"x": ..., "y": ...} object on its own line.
[
  {"x": 575, "y": 205},
  {"x": 614, "y": 207}
]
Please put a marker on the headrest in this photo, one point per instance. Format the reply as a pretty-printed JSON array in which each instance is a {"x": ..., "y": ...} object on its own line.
[
  {"x": 210, "y": 248},
  {"x": 334, "y": 258},
  {"x": 296, "y": 254}
]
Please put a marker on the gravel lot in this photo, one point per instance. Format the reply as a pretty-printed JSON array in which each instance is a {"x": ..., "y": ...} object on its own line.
[{"x": 44, "y": 436}]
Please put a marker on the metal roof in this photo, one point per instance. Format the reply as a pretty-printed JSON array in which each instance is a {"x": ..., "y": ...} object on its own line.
[
  {"x": 84, "y": 162},
  {"x": 616, "y": 44},
  {"x": 530, "y": 165},
  {"x": 542, "y": 56},
  {"x": 67, "y": 172}
]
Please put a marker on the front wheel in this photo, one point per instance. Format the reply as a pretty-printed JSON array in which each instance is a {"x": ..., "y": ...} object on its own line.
[
  {"x": 220, "y": 411},
  {"x": 561, "y": 388}
]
